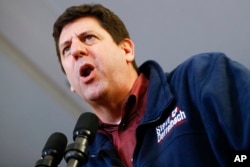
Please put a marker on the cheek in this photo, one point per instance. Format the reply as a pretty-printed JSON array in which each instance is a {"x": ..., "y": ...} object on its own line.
[
  {"x": 67, "y": 65},
  {"x": 68, "y": 68},
  {"x": 111, "y": 57}
]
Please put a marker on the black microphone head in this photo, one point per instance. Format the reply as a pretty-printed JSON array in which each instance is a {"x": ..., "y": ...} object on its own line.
[
  {"x": 55, "y": 147},
  {"x": 87, "y": 126}
]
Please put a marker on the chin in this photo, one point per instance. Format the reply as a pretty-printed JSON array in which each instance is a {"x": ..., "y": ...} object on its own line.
[
  {"x": 94, "y": 92},
  {"x": 93, "y": 95}
]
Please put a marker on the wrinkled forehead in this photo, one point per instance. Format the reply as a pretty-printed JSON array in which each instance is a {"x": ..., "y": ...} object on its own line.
[{"x": 78, "y": 27}]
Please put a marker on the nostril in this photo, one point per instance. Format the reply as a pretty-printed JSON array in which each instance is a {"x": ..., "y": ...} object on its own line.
[{"x": 76, "y": 55}]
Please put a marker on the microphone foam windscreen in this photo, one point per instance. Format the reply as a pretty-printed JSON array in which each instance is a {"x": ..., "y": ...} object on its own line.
[
  {"x": 87, "y": 125},
  {"x": 55, "y": 146}
]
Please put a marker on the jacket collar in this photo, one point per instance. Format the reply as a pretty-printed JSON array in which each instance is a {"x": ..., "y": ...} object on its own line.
[
  {"x": 159, "y": 94},
  {"x": 159, "y": 98}
]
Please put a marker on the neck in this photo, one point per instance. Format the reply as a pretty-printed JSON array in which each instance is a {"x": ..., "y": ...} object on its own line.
[{"x": 109, "y": 108}]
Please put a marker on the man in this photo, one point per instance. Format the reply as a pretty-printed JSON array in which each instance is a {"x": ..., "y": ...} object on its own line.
[{"x": 196, "y": 115}]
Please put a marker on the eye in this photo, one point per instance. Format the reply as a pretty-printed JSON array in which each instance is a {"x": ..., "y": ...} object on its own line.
[
  {"x": 90, "y": 39},
  {"x": 65, "y": 49}
]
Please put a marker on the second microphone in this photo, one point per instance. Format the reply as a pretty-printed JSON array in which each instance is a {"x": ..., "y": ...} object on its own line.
[{"x": 84, "y": 133}]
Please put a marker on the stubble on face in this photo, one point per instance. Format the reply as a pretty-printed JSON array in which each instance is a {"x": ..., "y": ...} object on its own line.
[{"x": 104, "y": 54}]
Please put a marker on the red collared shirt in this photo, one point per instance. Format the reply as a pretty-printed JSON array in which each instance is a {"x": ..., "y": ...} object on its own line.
[{"x": 123, "y": 134}]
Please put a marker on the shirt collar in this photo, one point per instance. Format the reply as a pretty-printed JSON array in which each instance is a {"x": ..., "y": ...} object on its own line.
[{"x": 130, "y": 107}]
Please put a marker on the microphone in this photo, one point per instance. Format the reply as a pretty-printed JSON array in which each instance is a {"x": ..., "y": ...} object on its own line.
[
  {"x": 84, "y": 133},
  {"x": 53, "y": 150}
]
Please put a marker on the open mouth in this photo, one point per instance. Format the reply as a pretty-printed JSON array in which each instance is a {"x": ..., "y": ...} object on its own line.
[{"x": 86, "y": 70}]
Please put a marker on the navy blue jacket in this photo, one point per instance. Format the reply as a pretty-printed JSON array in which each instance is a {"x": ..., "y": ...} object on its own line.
[{"x": 198, "y": 115}]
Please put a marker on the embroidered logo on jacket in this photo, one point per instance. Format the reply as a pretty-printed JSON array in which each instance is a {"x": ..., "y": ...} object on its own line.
[{"x": 176, "y": 118}]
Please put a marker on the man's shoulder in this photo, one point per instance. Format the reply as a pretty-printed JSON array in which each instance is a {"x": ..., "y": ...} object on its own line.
[
  {"x": 208, "y": 57},
  {"x": 194, "y": 65},
  {"x": 201, "y": 61},
  {"x": 197, "y": 59}
]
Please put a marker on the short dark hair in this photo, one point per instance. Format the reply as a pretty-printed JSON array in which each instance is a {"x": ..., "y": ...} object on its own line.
[{"x": 107, "y": 19}]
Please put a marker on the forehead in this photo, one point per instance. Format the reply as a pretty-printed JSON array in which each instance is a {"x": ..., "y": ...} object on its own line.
[{"x": 79, "y": 26}]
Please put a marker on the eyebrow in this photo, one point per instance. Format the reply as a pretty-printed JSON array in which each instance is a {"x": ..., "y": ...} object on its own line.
[
  {"x": 63, "y": 44},
  {"x": 78, "y": 35}
]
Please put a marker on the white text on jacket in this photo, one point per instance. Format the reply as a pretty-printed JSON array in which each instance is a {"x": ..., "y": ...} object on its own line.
[{"x": 176, "y": 118}]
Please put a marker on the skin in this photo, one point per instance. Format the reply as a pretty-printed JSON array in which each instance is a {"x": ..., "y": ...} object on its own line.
[{"x": 84, "y": 42}]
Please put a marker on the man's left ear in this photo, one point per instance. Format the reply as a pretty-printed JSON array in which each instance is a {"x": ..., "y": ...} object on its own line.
[
  {"x": 128, "y": 47},
  {"x": 72, "y": 89}
]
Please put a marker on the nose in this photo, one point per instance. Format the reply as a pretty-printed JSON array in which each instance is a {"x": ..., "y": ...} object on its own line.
[{"x": 78, "y": 49}]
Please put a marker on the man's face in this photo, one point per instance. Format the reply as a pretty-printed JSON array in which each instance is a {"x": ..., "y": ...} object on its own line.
[{"x": 93, "y": 62}]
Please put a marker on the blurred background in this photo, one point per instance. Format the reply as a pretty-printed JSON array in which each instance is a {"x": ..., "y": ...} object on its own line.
[{"x": 35, "y": 99}]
